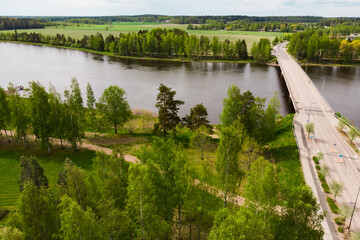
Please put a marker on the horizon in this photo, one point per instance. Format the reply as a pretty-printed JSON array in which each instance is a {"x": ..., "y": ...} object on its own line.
[{"x": 259, "y": 8}]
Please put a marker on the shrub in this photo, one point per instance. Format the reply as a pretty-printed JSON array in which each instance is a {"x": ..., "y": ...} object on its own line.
[
  {"x": 326, "y": 187},
  {"x": 340, "y": 229},
  {"x": 339, "y": 220},
  {"x": 338, "y": 114},
  {"x": 321, "y": 177},
  {"x": 316, "y": 159},
  {"x": 3, "y": 212},
  {"x": 333, "y": 206},
  {"x": 317, "y": 167}
]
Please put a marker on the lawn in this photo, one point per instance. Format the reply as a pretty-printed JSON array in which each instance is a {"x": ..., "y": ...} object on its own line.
[
  {"x": 79, "y": 30},
  {"x": 52, "y": 164},
  {"x": 284, "y": 151}
]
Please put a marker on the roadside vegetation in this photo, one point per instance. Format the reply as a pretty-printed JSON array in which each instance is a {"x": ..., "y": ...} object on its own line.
[{"x": 185, "y": 184}]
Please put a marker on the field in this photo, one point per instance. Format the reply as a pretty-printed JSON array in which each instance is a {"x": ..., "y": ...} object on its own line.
[
  {"x": 52, "y": 164},
  {"x": 79, "y": 30}
]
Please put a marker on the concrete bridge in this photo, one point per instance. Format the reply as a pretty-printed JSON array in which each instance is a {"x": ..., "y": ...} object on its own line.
[{"x": 311, "y": 106}]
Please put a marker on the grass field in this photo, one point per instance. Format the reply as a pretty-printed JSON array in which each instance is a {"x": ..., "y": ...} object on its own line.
[
  {"x": 52, "y": 164},
  {"x": 78, "y": 31}
]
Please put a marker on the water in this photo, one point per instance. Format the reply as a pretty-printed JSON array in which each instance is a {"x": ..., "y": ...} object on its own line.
[
  {"x": 340, "y": 87},
  {"x": 194, "y": 83}
]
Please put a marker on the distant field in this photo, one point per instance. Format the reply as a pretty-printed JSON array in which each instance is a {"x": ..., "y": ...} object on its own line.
[
  {"x": 79, "y": 30},
  {"x": 52, "y": 164}
]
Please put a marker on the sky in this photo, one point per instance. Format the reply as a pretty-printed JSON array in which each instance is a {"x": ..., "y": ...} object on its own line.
[{"x": 326, "y": 8}]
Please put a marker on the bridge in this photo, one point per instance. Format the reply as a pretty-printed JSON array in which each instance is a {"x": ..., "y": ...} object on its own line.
[{"x": 311, "y": 106}]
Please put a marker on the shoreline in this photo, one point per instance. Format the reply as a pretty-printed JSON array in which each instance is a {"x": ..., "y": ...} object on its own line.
[{"x": 182, "y": 60}]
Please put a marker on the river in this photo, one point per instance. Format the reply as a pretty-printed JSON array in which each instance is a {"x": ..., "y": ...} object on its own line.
[{"x": 195, "y": 82}]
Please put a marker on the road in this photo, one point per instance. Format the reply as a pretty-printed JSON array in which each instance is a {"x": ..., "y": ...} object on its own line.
[{"x": 344, "y": 163}]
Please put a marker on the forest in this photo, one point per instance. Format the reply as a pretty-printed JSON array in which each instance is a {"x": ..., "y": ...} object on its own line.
[
  {"x": 163, "y": 195},
  {"x": 160, "y": 43},
  {"x": 316, "y": 46},
  {"x": 19, "y": 23}
]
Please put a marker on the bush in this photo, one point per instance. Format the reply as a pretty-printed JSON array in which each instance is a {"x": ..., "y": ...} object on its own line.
[
  {"x": 326, "y": 188},
  {"x": 316, "y": 159},
  {"x": 3, "y": 212},
  {"x": 317, "y": 167},
  {"x": 338, "y": 114},
  {"x": 333, "y": 206},
  {"x": 339, "y": 220},
  {"x": 340, "y": 229},
  {"x": 321, "y": 177}
]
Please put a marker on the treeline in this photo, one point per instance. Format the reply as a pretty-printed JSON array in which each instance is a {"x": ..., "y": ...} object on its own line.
[
  {"x": 19, "y": 23},
  {"x": 163, "y": 196},
  {"x": 174, "y": 43},
  {"x": 51, "y": 119},
  {"x": 316, "y": 46}
]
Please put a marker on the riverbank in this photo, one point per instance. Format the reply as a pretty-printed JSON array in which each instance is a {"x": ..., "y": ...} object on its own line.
[{"x": 133, "y": 57}]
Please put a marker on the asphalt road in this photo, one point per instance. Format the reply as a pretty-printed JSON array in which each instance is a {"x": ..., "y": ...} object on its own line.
[{"x": 344, "y": 163}]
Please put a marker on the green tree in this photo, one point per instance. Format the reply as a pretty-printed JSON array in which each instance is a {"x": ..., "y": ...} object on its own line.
[
  {"x": 5, "y": 119},
  {"x": 36, "y": 216},
  {"x": 227, "y": 163},
  {"x": 73, "y": 182},
  {"x": 73, "y": 114},
  {"x": 77, "y": 223},
  {"x": 309, "y": 128},
  {"x": 57, "y": 115},
  {"x": 31, "y": 171},
  {"x": 345, "y": 211},
  {"x": 301, "y": 218},
  {"x": 90, "y": 103},
  {"x": 200, "y": 138},
  {"x": 19, "y": 115},
  {"x": 142, "y": 205},
  {"x": 115, "y": 106},
  {"x": 113, "y": 173},
  {"x": 243, "y": 224},
  {"x": 215, "y": 46},
  {"x": 352, "y": 134},
  {"x": 342, "y": 123},
  {"x": 250, "y": 152},
  {"x": 168, "y": 109},
  {"x": 336, "y": 188},
  {"x": 198, "y": 117},
  {"x": 40, "y": 114},
  {"x": 232, "y": 106},
  {"x": 10, "y": 233},
  {"x": 325, "y": 169}
]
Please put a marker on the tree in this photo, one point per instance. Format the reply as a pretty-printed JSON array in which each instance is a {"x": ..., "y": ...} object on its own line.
[
  {"x": 301, "y": 218},
  {"x": 5, "y": 118},
  {"x": 232, "y": 106},
  {"x": 73, "y": 114},
  {"x": 336, "y": 188},
  {"x": 342, "y": 123},
  {"x": 113, "y": 173},
  {"x": 77, "y": 223},
  {"x": 168, "y": 109},
  {"x": 19, "y": 115},
  {"x": 90, "y": 103},
  {"x": 73, "y": 182},
  {"x": 57, "y": 115},
  {"x": 142, "y": 205},
  {"x": 325, "y": 169},
  {"x": 40, "y": 114},
  {"x": 320, "y": 156},
  {"x": 10, "y": 233},
  {"x": 352, "y": 134},
  {"x": 345, "y": 211},
  {"x": 250, "y": 151},
  {"x": 198, "y": 116},
  {"x": 199, "y": 138},
  {"x": 115, "y": 106},
  {"x": 32, "y": 171},
  {"x": 309, "y": 128},
  {"x": 227, "y": 163},
  {"x": 36, "y": 217}
]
